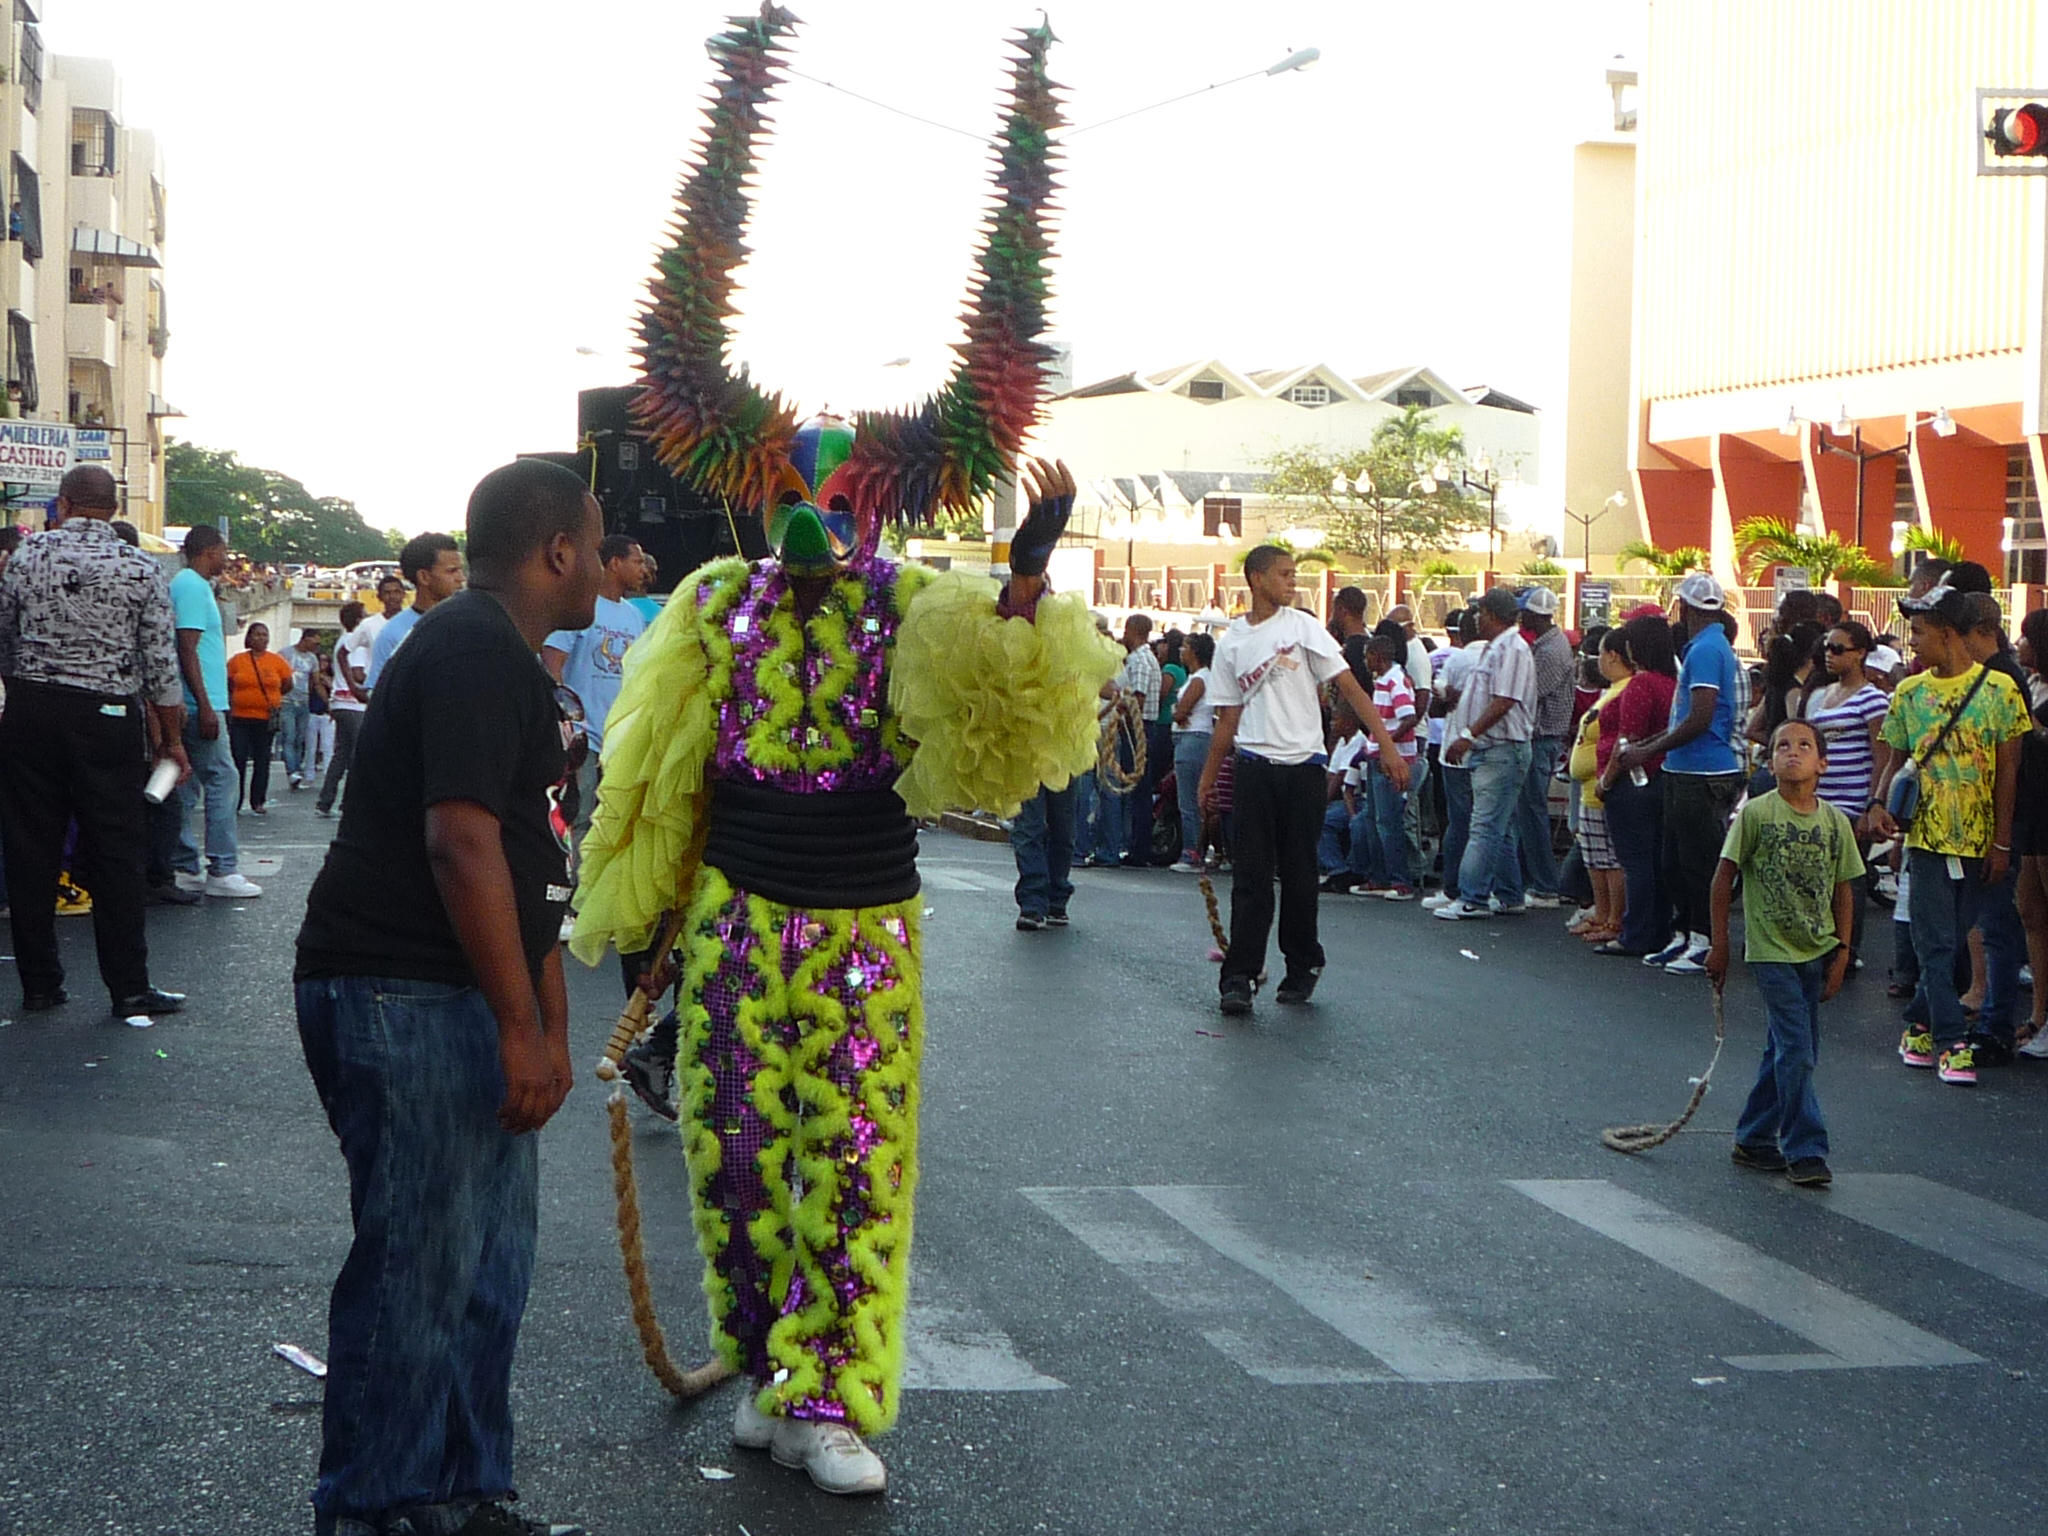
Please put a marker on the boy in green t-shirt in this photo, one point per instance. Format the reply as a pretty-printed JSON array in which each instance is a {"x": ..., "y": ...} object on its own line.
[{"x": 1798, "y": 860}]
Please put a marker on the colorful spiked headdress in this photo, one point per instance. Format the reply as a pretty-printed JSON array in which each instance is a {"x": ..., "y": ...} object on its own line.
[{"x": 714, "y": 427}]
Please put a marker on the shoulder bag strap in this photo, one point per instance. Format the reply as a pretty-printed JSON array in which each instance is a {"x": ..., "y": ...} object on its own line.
[{"x": 1955, "y": 715}]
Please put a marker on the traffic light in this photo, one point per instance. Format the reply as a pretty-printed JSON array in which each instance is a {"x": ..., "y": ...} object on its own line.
[{"x": 2019, "y": 132}]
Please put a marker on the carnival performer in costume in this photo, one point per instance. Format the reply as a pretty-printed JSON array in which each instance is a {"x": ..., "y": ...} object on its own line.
[{"x": 778, "y": 727}]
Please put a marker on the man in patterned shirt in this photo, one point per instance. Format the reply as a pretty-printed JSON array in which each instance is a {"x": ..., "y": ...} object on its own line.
[{"x": 85, "y": 633}]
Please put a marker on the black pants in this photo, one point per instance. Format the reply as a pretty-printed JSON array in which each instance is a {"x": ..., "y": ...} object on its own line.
[
  {"x": 1279, "y": 813},
  {"x": 67, "y": 756},
  {"x": 348, "y": 723},
  {"x": 1696, "y": 811},
  {"x": 249, "y": 740}
]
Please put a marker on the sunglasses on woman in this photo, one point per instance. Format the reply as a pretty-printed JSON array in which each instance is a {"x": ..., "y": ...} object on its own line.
[{"x": 1843, "y": 650}]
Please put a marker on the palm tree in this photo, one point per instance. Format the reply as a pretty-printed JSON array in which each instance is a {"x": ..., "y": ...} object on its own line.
[
  {"x": 1940, "y": 545},
  {"x": 1768, "y": 541},
  {"x": 1665, "y": 562}
]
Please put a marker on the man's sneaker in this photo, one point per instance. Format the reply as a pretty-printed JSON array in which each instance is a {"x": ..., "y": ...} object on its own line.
[
  {"x": 1235, "y": 996},
  {"x": 1762, "y": 1159},
  {"x": 1399, "y": 893},
  {"x": 1501, "y": 908},
  {"x": 235, "y": 885},
  {"x": 1810, "y": 1171},
  {"x": 1541, "y": 902},
  {"x": 1437, "y": 902},
  {"x": 1030, "y": 922},
  {"x": 1916, "y": 1046},
  {"x": 1958, "y": 1064},
  {"x": 154, "y": 1000},
  {"x": 837, "y": 1459},
  {"x": 1056, "y": 918},
  {"x": 752, "y": 1430},
  {"x": 494, "y": 1519},
  {"x": 1675, "y": 950},
  {"x": 188, "y": 881},
  {"x": 1297, "y": 986},
  {"x": 1458, "y": 911},
  {"x": 1187, "y": 866},
  {"x": 1692, "y": 963},
  {"x": 175, "y": 895},
  {"x": 2036, "y": 1049},
  {"x": 1335, "y": 885},
  {"x": 651, "y": 1077}
]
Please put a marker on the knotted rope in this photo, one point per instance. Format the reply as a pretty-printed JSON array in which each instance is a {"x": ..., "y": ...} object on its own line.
[
  {"x": 1215, "y": 918},
  {"x": 1641, "y": 1138},
  {"x": 626, "y": 1196},
  {"x": 1123, "y": 720}
]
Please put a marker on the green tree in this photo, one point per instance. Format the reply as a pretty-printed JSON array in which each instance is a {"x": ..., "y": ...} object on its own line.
[
  {"x": 1767, "y": 541},
  {"x": 1941, "y": 546},
  {"x": 1386, "y": 514},
  {"x": 1665, "y": 562},
  {"x": 270, "y": 516}
]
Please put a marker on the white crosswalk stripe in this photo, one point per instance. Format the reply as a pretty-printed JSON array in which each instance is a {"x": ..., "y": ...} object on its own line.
[
  {"x": 951, "y": 1347},
  {"x": 2006, "y": 1244},
  {"x": 959, "y": 877},
  {"x": 1849, "y": 1332}
]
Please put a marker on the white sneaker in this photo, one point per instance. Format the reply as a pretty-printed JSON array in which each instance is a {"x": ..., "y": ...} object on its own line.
[
  {"x": 1692, "y": 963},
  {"x": 1185, "y": 868},
  {"x": 1437, "y": 902},
  {"x": 2035, "y": 1049},
  {"x": 232, "y": 885},
  {"x": 1500, "y": 908},
  {"x": 189, "y": 882},
  {"x": 1578, "y": 920},
  {"x": 1675, "y": 950},
  {"x": 1456, "y": 911},
  {"x": 752, "y": 1430},
  {"x": 836, "y": 1458},
  {"x": 1542, "y": 903}
]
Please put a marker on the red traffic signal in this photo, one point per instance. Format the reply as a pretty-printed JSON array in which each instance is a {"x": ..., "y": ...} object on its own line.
[{"x": 2020, "y": 131}]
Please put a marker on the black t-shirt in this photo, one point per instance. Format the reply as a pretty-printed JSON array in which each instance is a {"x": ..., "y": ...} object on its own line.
[{"x": 462, "y": 711}]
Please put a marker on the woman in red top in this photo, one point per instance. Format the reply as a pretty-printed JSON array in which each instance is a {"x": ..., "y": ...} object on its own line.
[
  {"x": 1635, "y": 812},
  {"x": 258, "y": 680}
]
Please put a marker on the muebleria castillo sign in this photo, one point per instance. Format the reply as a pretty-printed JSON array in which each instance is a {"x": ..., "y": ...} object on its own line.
[{"x": 36, "y": 453}]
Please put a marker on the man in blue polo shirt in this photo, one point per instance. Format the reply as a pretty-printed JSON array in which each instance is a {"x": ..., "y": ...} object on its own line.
[{"x": 1702, "y": 772}]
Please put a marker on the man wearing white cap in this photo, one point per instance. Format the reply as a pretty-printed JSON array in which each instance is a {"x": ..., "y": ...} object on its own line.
[
  {"x": 1702, "y": 774},
  {"x": 1550, "y": 718}
]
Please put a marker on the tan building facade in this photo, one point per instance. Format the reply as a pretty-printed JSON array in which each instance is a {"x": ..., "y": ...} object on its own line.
[
  {"x": 1835, "y": 321},
  {"x": 81, "y": 272}
]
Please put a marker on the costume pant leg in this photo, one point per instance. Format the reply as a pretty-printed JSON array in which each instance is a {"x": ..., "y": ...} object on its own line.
[{"x": 799, "y": 1076}]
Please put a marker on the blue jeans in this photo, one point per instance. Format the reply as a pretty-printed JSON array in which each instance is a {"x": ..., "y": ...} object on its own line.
[
  {"x": 1335, "y": 848},
  {"x": 214, "y": 777},
  {"x": 1944, "y": 912},
  {"x": 1083, "y": 787},
  {"x": 1190, "y": 753},
  {"x": 1532, "y": 817},
  {"x": 1390, "y": 818},
  {"x": 1419, "y": 771},
  {"x": 1635, "y": 821},
  {"x": 1783, "y": 1111},
  {"x": 293, "y": 737},
  {"x": 425, "y": 1313},
  {"x": 1457, "y": 783},
  {"x": 1042, "y": 839},
  {"x": 1490, "y": 864}
]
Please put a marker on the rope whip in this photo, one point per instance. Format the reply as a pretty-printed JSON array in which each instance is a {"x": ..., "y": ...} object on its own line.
[
  {"x": 1121, "y": 721},
  {"x": 1641, "y": 1138},
  {"x": 1215, "y": 918},
  {"x": 681, "y": 1384}
]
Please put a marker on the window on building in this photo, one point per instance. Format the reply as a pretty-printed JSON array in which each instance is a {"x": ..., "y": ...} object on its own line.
[
  {"x": 28, "y": 199},
  {"x": 1205, "y": 389},
  {"x": 92, "y": 142},
  {"x": 22, "y": 395},
  {"x": 1417, "y": 394},
  {"x": 1309, "y": 394},
  {"x": 31, "y": 64},
  {"x": 1219, "y": 512},
  {"x": 2026, "y": 542}
]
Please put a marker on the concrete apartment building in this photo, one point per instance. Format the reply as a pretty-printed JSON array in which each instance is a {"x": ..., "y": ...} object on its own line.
[
  {"x": 1836, "y": 322},
  {"x": 81, "y": 272}
]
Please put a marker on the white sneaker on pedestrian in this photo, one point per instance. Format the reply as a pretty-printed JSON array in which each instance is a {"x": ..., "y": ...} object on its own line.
[
  {"x": 1437, "y": 902},
  {"x": 837, "y": 1459},
  {"x": 1579, "y": 919},
  {"x": 1542, "y": 903},
  {"x": 189, "y": 882},
  {"x": 1500, "y": 908},
  {"x": 752, "y": 1430},
  {"x": 1675, "y": 950},
  {"x": 1457, "y": 911},
  {"x": 2035, "y": 1049},
  {"x": 232, "y": 885},
  {"x": 1186, "y": 868},
  {"x": 1692, "y": 963}
]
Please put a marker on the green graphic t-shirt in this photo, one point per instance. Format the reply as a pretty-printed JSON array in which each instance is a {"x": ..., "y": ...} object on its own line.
[
  {"x": 1791, "y": 862},
  {"x": 1956, "y": 812}
]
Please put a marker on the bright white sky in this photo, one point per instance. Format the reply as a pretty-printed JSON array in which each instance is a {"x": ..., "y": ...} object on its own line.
[{"x": 391, "y": 229}]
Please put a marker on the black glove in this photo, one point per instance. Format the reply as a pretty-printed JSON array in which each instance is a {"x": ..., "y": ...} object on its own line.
[{"x": 1032, "y": 545}]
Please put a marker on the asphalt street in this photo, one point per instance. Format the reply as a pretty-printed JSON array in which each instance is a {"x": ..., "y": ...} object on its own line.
[{"x": 1359, "y": 1266}]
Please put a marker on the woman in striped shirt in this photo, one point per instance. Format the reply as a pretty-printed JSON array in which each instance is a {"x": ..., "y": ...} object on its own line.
[{"x": 1848, "y": 714}]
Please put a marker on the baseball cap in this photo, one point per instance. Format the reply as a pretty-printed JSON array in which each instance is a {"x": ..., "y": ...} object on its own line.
[
  {"x": 1539, "y": 600},
  {"x": 1699, "y": 590},
  {"x": 1883, "y": 659}
]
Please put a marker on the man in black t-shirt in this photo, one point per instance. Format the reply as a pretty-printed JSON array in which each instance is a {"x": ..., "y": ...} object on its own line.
[{"x": 433, "y": 1016}]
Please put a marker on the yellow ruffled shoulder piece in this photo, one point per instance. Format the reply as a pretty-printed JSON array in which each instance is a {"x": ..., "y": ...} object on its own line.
[
  {"x": 640, "y": 856},
  {"x": 997, "y": 706}
]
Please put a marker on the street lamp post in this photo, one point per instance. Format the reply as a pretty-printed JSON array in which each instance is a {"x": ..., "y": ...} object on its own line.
[
  {"x": 1842, "y": 426},
  {"x": 1613, "y": 503},
  {"x": 1361, "y": 484},
  {"x": 1488, "y": 482}
]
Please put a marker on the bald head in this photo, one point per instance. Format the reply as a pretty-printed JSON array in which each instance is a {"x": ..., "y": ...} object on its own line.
[{"x": 88, "y": 490}]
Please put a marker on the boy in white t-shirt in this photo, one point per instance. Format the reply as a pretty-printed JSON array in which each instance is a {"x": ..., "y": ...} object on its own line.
[{"x": 1267, "y": 677}]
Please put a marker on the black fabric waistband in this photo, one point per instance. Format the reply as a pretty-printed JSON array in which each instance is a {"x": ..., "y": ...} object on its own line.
[
  {"x": 856, "y": 848},
  {"x": 67, "y": 691}
]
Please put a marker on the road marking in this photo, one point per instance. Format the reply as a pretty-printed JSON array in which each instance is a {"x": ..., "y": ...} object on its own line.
[
  {"x": 2006, "y": 1244},
  {"x": 949, "y": 1347},
  {"x": 1850, "y": 1332},
  {"x": 957, "y": 879},
  {"x": 1182, "y": 1248}
]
